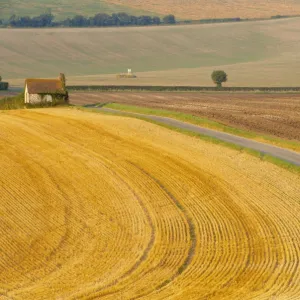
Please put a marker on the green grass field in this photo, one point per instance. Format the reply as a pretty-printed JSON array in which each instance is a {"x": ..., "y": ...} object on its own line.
[
  {"x": 265, "y": 53},
  {"x": 62, "y": 9}
]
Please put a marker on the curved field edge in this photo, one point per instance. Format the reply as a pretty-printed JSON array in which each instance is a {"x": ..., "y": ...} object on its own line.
[
  {"x": 293, "y": 145},
  {"x": 97, "y": 180},
  {"x": 262, "y": 156}
]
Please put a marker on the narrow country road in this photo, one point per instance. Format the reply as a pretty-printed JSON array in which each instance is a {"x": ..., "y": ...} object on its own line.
[{"x": 284, "y": 154}]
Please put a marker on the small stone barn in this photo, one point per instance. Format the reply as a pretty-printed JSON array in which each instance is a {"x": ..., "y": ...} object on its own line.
[{"x": 45, "y": 90}]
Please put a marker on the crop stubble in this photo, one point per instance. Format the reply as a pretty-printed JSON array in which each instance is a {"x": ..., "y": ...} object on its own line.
[
  {"x": 271, "y": 114},
  {"x": 103, "y": 206},
  {"x": 200, "y": 9}
]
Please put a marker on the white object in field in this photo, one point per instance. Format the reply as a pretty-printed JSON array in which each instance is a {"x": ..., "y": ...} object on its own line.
[{"x": 129, "y": 71}]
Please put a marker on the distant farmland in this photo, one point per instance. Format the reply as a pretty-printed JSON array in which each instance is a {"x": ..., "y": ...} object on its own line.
[
  {"x": 253, "y": 53},
  {"x": 108, "y": 207},
  {"x": 62, "y": 8},
  {"x": 196, "y": 9},
  {"x": 184, "y": 9}
]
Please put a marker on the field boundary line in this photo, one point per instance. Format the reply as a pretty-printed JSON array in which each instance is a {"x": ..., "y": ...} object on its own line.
[
  {"x": 281, "y": 157},
  {"x": 204, "y": 122}
]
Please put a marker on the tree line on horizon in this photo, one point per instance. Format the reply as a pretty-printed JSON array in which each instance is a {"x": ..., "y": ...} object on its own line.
[{"x": 98, "y": 20}]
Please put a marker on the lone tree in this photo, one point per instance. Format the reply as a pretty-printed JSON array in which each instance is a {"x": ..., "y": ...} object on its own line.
[
  {"x": 0, "y": 78},
  {"x": 219, "y": 77}
]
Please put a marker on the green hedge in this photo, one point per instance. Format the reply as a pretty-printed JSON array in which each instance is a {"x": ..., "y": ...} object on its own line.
[
  {"x": 107, "y": 88},
  {"x": 3, "y": 86}
]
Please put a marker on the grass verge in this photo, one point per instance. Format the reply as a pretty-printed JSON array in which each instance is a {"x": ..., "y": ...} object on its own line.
[
  {"x": 262, "y": 156},
  {"x": 16, "y": 102},
  {"x": 203, "y": 122}
]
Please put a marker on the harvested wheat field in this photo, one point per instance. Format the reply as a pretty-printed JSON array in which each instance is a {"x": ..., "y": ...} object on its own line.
[
  {"x": 272, "y": 114},
  {"x": 201, "y": 9},
  {"x": 97, "y": 206},
  {"x": 184, "y": 9}
]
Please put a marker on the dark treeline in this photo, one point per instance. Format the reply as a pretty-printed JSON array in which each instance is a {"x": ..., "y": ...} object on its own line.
[
  {"x": 103, "y": 20},
  {"x": 99, "y": 20},
  {"x": 208, "y": 21}
]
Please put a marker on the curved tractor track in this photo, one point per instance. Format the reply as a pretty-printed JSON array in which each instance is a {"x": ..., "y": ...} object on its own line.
[{"x": 104, "y": 207}]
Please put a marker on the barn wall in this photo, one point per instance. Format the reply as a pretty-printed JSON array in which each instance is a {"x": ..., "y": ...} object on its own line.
[
  {"x": 26, "y": 95},
  {"x": 36, "y": 98}
]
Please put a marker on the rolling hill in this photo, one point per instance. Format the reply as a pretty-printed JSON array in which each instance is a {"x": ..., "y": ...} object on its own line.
[
  {"x": 183, "y": 9},
  {"x": 202, "y": 9},
  {"x": 106, "y": 207},
  {"x": 253, "y": 53},
  {"x": 62, "y": 9}
]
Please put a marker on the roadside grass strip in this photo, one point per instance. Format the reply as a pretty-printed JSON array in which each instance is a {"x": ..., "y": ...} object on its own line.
[
  {"x": 262, "y": 156},
  {"x": 203, "y": 122}
]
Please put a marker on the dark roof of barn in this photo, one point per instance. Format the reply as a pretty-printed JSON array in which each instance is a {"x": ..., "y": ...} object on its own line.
[{"x": 43, "y": 86}]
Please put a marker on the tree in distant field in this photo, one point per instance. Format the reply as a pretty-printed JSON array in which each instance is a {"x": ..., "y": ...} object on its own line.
[
  {"x": 0, "y": 78},
  {"x": 156, "y": 20},
  {"x": 219, "y": 77},
  {"x": 79, "y": 21},
  {"x": 169, "y": 19}
]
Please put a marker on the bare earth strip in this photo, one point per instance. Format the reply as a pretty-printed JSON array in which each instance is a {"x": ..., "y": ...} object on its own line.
[
  {"x": 271, "y": 114},
  {"x": 115, "y": 208}
]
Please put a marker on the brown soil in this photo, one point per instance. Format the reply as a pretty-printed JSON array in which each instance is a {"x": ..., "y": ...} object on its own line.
[{"x": 271, "y": 114}]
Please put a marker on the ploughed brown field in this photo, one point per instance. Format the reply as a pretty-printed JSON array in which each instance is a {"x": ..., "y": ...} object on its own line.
[{"x": 271, "y": 114}]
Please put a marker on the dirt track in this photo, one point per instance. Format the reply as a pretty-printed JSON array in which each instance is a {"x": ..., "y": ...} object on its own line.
[{"x": 271, "y": 114}]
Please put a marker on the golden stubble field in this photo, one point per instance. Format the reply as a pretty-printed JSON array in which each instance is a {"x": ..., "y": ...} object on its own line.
[
  {"x": 183, "y": 9},
  {"x": 201, "y": 9},
  {"x": 103, "y": 206}
]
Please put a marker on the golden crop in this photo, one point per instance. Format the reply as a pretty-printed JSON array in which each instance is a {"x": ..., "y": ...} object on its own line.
[
  {"x": 96, "y": 206},
  {"x": 201, "y": 9}
]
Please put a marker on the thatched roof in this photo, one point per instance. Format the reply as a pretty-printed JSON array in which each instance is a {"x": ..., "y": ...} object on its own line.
[{"x": 44, "y": 86}]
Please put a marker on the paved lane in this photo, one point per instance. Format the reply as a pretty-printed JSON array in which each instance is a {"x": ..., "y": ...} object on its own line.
[{"x": 284, "y": 154}]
